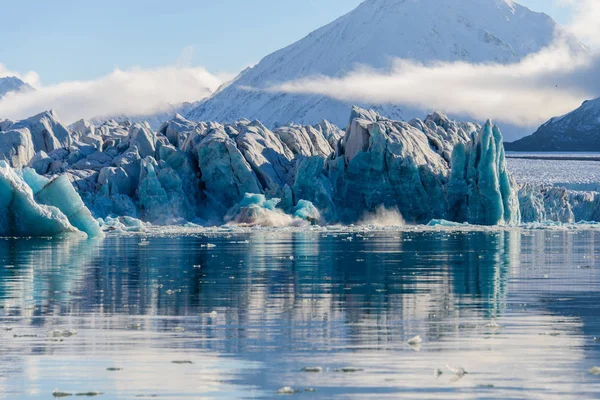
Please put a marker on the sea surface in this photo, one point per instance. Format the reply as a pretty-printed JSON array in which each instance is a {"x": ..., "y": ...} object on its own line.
[{"x": 317, "y": 314}]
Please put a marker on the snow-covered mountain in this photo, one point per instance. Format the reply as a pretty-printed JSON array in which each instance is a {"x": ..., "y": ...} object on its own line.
[
  {"x": 13, "y": 84},
  {"x": 578, "y": 130},
  {"x": 373, "y": 34}
]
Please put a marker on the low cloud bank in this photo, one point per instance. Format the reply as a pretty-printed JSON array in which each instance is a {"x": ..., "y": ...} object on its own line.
[{"x": 132, "y": 92}]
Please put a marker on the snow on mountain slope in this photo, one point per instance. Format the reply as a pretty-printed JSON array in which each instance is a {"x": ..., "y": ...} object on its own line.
[
  {"x": 12, "y": 84},
  {"x": 578, "y": 130},
  {"x": 372, "y": 35}
]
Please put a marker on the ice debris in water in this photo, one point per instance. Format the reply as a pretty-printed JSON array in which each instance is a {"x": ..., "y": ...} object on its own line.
[
  {"x": 313, "y": 369},
  {"x": 349, "y": 369},
  {"x": 61, "y": 333},
  {"x": 458, "y": 372},
  {"x": 123, "y": 224},
  {"x": 59, "y": 394},
  {"x": 595, "y": 371},
  {"x": 288, "y": 390},
  {"x": 256, "y": 209},
  {"x": 415, "y": 340}
]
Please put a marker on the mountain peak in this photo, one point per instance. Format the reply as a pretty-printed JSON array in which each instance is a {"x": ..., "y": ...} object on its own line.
[
  {"x": 13, "y": 84},
  {"x": 373, "y": 35}
]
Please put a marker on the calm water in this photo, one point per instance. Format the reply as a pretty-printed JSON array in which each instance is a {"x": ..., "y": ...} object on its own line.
[{"x": 242, "y": 315}]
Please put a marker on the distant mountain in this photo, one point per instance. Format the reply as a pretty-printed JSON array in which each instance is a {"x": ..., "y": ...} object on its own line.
[
  {"x": 373, "y": 34},
  {"x": 578, "y": 130},
  {"x": 13, "y": 84}
]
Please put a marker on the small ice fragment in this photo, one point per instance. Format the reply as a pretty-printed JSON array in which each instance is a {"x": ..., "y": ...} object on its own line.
[
  {"x": 458, "y": 372},
  {"x": 58, "y": 333},
  {"x": 291, "y": 258},
  {"x": 349, "y": 369},
  {"x": 415, "y": 340},
  {"x": 595, "y": 371},
  {"x": 312, "y": 369},
  {"x": 179, "y": 329},
  {"x": 144, "y": 242},
  {"x": 58, "y": 393},
  {"x": 493, "y": 325},
  {"x": 287, "y": 390}
]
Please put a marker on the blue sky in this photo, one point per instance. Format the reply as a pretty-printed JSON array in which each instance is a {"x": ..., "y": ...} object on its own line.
[{"x": 74, "y": 40}]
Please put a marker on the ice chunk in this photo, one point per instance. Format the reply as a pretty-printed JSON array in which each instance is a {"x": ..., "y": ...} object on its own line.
[
  {"x": 307, "y": 211},
  {"x": 255, "y": 209},
  {"x": 22, "y": 216},
  {"x": 125, "y": 224},
  {"x": 443, "y": 222},
  {"x": 60, "y": 193}
]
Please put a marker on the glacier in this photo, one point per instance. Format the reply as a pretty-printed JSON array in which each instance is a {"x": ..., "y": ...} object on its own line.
[
  {"x": 124, "y": 176},
  {"x": 210, "y": 173}
]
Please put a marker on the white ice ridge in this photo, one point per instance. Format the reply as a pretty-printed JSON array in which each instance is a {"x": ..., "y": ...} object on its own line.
[{"x": 244, "y": 173}]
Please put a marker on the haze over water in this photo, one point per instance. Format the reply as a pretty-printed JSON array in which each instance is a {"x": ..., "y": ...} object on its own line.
[{"x": 241, "y": 315}]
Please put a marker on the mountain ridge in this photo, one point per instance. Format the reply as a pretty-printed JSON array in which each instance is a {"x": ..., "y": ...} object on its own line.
[
  {"x": 10, "y": 84},
  {"x": 471, "y": 30},
  {"x": 578, "y": 130}
]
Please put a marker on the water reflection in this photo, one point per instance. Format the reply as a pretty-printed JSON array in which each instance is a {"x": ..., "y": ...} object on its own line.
[{"x": 515, "y": 309}]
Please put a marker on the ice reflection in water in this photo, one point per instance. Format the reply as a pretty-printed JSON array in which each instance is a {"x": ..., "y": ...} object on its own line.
[{"x": 241, "y": 319}]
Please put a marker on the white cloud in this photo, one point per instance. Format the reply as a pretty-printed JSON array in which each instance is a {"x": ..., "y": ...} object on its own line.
[
  {"x": 528, "y": 93},
  {"x": 133, "y": 92},
  {"x": 543, "y": 85}
]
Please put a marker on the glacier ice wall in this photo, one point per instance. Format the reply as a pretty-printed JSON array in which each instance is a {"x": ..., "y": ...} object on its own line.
[
  {"x": 480, "y": 190},
  {"x": 427, "y": 169}
]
